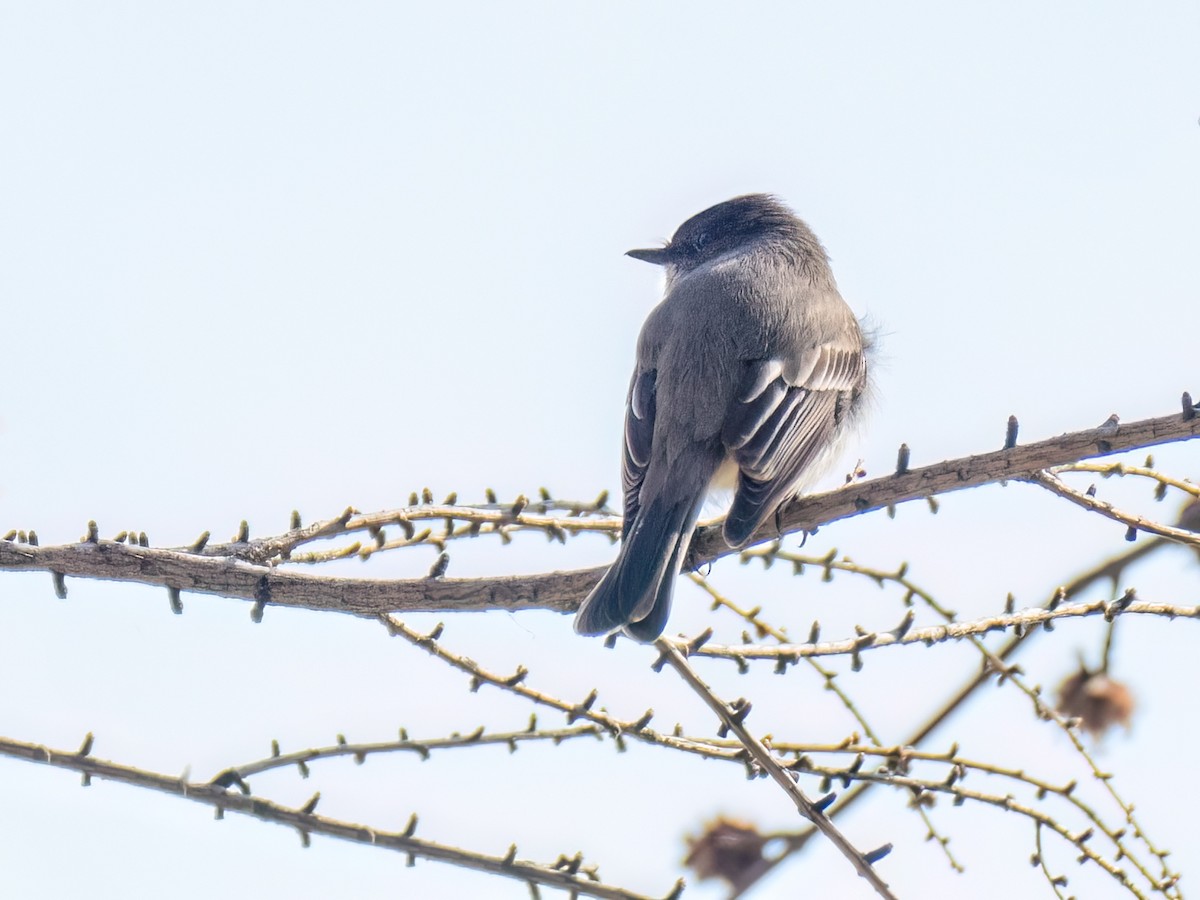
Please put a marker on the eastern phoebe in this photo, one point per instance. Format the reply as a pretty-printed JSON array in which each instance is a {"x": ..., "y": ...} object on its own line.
[{"x": 747, "y": 373}]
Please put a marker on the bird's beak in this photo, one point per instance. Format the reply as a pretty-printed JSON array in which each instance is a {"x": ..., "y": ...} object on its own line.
[{"x": 659, "y": 256}]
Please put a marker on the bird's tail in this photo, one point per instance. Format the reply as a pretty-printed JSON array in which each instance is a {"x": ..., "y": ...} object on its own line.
[{"x": 635, "y": 593}]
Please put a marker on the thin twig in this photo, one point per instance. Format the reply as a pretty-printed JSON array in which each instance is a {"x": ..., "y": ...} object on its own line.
[
  {"x": 936, "y": 634},
  {"x": 423, "y": 748},
  {"x": 1121, "y": 469},
  {"x": 1057, "y": 882},
  {"x": 1056, "y": 485},
  {"x": 733, "y": 721}
]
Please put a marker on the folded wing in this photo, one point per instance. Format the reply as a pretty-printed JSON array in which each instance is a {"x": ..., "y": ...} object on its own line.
[
  {"x": 639, "y": 432},
  {"x": 785, "y": 415}
]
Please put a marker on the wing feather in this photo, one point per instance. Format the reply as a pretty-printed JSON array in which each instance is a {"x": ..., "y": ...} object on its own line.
[
  {"x": 779, "y": 426},
  {"x": 639, "y": 434}
]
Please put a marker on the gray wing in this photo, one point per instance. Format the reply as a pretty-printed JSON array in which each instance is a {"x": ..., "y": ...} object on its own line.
[
  {"x": 785, "y": 415},
  {"x": 639, "y": 432}
]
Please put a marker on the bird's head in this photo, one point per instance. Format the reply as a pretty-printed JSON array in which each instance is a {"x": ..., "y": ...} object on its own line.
[{"x": 733, "y": 225}]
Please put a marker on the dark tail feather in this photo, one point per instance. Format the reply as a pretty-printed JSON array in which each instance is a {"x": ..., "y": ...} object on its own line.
[
  {"x": 599, "y": 613},
  {"x": 751, "y": 504},
  {"x": 652, "y": 625},
  {"x": 635, "y": 593}
]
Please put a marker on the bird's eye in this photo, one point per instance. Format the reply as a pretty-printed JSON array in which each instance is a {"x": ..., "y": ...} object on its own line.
[{"x": 700, "y": 241}]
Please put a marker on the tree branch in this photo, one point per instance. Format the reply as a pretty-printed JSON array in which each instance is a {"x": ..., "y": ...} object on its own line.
[
  {"x": 251, "y": 570},
  {"x": 807, "y": 513},
  {"x": 566, "y": 875}
]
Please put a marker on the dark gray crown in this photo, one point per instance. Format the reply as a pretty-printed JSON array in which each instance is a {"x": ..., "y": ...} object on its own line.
[{"x": 736, "y": 223}]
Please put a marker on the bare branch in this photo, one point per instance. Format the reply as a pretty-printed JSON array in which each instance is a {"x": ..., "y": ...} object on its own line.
[
  {"x": 994, "y": 665},
  {"x": 567, "y": 876},
  {"x": 808, "y": 513},
  {"x": 951, "y": 631},
  {"x": 732, "y": 718},
  {"x": 242, "y": 570},
  {"x": 423, "y": 748},
  {"x": 225, "y": 577},
  {"x": 1136, "y": 523}
]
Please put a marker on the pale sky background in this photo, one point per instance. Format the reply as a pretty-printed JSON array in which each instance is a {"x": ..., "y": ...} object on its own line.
[{"x": 257, "y": 257}]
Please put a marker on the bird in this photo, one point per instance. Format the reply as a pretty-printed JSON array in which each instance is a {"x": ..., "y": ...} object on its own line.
[{"x": 748, "y": 374}]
